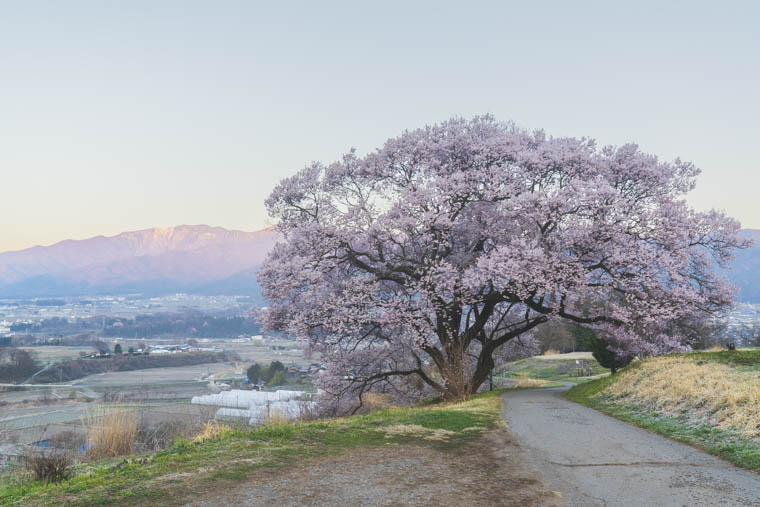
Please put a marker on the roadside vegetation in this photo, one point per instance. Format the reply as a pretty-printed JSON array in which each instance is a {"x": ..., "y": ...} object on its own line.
[
  {"x": 707, "y": 399},
  {"x": 219, "y": 456},
  {"x": 554, "y": 367}
]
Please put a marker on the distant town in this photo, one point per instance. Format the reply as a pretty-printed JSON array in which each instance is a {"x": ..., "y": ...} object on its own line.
[{"x": 19, "y": 315}]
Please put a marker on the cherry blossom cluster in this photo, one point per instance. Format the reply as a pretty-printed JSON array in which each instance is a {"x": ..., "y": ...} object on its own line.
[{"x": 453, "y": 240}]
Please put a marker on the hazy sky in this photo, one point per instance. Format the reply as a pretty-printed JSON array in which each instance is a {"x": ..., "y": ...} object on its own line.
[{"x": 126, "y": 115}]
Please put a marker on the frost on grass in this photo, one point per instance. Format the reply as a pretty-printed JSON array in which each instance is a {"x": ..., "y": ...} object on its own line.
[{"x": 679, "y": 385}]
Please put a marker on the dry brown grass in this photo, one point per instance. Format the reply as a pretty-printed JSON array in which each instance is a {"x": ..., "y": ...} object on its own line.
[
  {"x": 212, "y": 430},
  {"x": 110, "y": 432},
  {"x": 552, "y": 352},
  {"x": 727, "y": 397},
  {"x": 378, "y": 401},
  {"x": 415, "y": 430},
  {"x": 277, "y": 418},
  {"x": 531, "y": 382}
]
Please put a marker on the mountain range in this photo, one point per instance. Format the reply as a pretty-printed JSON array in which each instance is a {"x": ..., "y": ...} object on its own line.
[
  {"x": 745, "y": 270},
  {"x": 187, "y": 258},
  {"x": 195, "y": 259}
]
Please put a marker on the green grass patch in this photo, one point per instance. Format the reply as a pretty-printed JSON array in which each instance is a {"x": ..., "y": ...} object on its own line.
[
  {"x": 742, "y": 359},
  {"x": 174, "y": 475},
  {"x": 548, "y": 368}
]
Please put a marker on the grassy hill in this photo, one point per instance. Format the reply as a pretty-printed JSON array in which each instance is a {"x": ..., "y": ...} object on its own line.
[
  {"x": 707, "y": 399},
  {"x": 223, "y": 456},
  {"x": 557, "y": 367}
]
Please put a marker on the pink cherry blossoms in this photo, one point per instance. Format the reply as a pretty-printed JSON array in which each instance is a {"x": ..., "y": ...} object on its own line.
[{"x": 417, "y": 262}]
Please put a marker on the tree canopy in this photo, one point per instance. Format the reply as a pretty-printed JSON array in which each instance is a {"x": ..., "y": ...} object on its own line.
[{"x": 426, "y": 256}]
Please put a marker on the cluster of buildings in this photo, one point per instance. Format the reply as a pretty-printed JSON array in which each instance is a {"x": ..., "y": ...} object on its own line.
[
  {"x": 178, "y": 349},
  {"x": 312, "y": 369},
  {"x": 155, "y": 350}
]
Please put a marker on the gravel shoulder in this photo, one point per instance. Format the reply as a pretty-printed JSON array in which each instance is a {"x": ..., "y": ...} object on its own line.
[{"x": 594, "y": 459}]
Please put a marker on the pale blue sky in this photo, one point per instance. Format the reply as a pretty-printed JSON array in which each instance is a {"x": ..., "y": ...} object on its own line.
[{"x": 125, "y": 115}]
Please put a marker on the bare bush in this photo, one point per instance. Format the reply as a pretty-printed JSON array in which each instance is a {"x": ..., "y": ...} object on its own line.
[
  {"x": 68, "y": 440},
  {"x": 48, "y": 466},
  {"x": 161, "y": 435},
  {"x": 307, "y": 411}
]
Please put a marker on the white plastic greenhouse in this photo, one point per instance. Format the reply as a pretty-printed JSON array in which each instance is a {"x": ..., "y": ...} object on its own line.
[{"x": 257, "y": 406}]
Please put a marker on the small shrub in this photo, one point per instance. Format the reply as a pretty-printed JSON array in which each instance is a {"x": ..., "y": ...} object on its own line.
[
  {"x": 277, "y": 379},
  {"x": 274, "y": 368},
  {"x": 254, "y": 373},
  {"x": 600, "y": 349},
  {"x": 159, "y": 436},
  {"x": 49, "y": 466},
  {"x": 182, "y": 444},
  {"x": 70, "y": 440}
]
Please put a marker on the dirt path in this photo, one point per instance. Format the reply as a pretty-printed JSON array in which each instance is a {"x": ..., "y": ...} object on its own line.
[
  {"x": 594, "y": 459},
  {"x": 487, "y": 472}
]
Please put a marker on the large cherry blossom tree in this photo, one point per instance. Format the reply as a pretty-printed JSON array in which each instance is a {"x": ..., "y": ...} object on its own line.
[{"x": 425, "y": 257}]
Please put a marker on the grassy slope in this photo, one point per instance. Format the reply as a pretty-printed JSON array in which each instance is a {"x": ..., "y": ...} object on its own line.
[
  {"x": 550, "y": 368},
  {"x": 684, "y": 427},
  {"x": 173, "y": 476}
]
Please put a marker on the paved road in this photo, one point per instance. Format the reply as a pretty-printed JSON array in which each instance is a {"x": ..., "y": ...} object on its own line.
[{"x": 593, "y": 459}]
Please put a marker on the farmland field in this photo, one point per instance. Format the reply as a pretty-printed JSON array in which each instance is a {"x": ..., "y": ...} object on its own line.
[
  {"x": 54, "y": 353},
  {"x": 32, "y": 414}
]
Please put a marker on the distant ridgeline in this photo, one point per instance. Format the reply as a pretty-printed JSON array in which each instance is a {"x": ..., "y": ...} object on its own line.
[
  {"x": 745, "y": 270},
  {"x": 194, "y": 259},
  {"x": 194, "y": 324}
]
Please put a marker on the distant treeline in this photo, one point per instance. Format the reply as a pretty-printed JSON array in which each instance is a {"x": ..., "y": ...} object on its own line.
[
  {"x": 78, "y": 368},
  {"x": 195, "y": 324},
  {"x": 33, "y": 340},
  {"x": 16, "y": 365}
]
